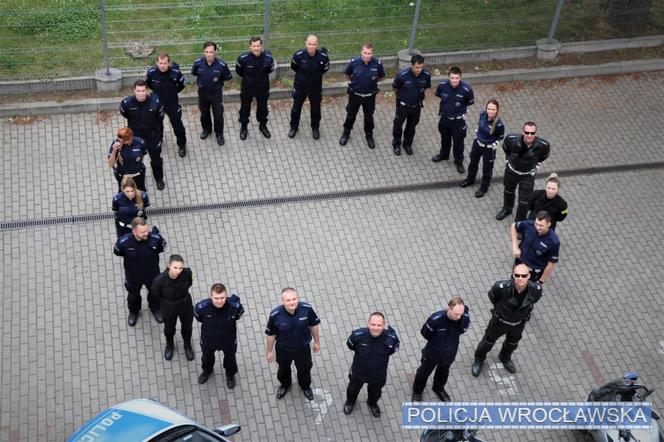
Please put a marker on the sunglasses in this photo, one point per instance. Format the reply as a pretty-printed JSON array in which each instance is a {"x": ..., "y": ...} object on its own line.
[
  {"x": 519, "y": 275},
  {"x": 529, "y": 133}
]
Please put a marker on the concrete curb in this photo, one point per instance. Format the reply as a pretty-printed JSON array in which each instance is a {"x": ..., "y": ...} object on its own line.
[{"x": 546, "y": 73}]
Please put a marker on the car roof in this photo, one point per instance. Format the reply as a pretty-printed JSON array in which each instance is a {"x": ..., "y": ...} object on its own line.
[{"x": 137, "y": 419}]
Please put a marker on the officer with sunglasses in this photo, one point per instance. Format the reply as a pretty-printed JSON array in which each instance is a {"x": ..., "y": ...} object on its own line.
[
  {"x": 513, "y": 301},
  {"x": 524, "y": 154}
]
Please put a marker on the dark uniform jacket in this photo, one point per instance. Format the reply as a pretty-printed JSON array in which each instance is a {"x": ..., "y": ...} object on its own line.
[
  {"x": 173, "y": 291},
  {"x": 537, "y": 250},
  {"x": 521, "y": 158},
  {"x": 364, "y": 77},
  {"x": 141, "y": 258},
  {"x": 454, "y": 100},
  {"x": 483, "y": 133},
  {"x": 126, "y": 209},
  {"x": 219, "y": 328},
  {"x": 292, "y": 331},
  {"x": 410, "y": 87},
  {"x": 442, "y": 335},
  {"x": 132, "y": 157},
  {"x": 210, "y": 78},
  {"x": 309, "y": 70},
  {"x": 145, "y": 118},
  {"x": 167, "y": 84},
  {"x": 372, "y": 354},
  {"x": 255, "y": 72},
  {"x": 556, "y": 206},
  {"x": 510, "y": 306}
]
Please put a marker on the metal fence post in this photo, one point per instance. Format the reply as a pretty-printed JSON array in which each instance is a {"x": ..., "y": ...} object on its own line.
[
  {"x": 266, "y": 22},
  {"x": 413, "y": 29},
  {"x": 104, "y": 36},
  {"x": 554, "y": 22}
]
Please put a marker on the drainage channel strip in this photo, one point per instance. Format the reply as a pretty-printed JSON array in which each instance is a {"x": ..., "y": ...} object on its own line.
[{"x": 345, "y": 194}]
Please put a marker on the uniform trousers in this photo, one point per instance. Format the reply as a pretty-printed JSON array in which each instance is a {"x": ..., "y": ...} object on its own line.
[
  {"x": 214, "y": 100},
  {"x": 302, "y": 358},
  {"x": 171, "y": 311},
  {"x": 299, "y": 97},
  {"x": 134, "y": 299},
  {"x": 208, "y": 359},
  {"x": 488, "y": 156},
  {"x": 374, "y": 389},
  {"x": 452, "y": 134},
  {"x": 427, "y": 366},
  {"x": 409, "y": 114},
  {"x": 526, "y": 185},
  {"x": 261, "y": 107},
  {"x": 494, "y": 331},
  {"x": 368, "y": 105},
  {"x": 174, "y": 113}
]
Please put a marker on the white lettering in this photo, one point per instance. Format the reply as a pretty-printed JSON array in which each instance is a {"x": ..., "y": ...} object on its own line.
[{"x": 507, "y": 414}]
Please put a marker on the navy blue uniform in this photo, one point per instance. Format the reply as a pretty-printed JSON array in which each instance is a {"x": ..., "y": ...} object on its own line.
[
  {"x": 362, "y": 91},
  {"x": 141, "y": 265},
  {"x": 511, "y": 310},
  {"x": 442, "y": 335},
  {"x": 537, "y": 251},
  {"x": 484, "y": 147},
  {"x": 370, "y": 361},
  {"x": 452, "y": 124},
  {"x": 521, "y": 167},
  {"x": 129, "y": 161},
  {"x": 175, "y": 300},
  {"x": 556, "y": 206},
  {"x": 255, "y": 73},
  {"x": 167, "y": 85},
  {"x": 146, "y": 119},
  {"x": 293, "y": 336},
  {"x": 210, "y": 81},
  {"x": 126, "y": 210},
  {"x": 410, "y": 90},
  {"x": 219, "y": 332},
  {"x": 308, "y": 83}
]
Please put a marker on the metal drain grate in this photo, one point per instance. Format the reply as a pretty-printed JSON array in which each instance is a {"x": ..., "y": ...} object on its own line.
[{"x": 344, "y": 194}]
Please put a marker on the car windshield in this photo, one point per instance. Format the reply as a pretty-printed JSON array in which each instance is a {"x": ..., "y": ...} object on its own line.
[{"x": 191, "y": 434}]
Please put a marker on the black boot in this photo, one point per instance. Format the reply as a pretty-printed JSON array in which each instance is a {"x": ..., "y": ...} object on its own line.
[
  {"x": 505, "y": 356},
  {"x": 483, "y": 348},
  {"x": 168, "y": 351},
  {"x": 188, "y": 350}
]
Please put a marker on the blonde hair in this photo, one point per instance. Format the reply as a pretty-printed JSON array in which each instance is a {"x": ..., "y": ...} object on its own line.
[
  {"x": 496, "y": 118},
  {"x": 128, "y": 181}
]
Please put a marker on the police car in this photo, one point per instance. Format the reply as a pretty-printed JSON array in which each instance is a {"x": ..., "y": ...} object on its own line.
[{"x": 147, "y": 420}]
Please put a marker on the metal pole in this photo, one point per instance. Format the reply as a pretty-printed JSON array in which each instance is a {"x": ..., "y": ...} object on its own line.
[
  {"x": 266, "y": 22},
  {"x": 104, "y": 36},
  {"x": 554, "y": 23},
  {"x": 413, "y": 29}
]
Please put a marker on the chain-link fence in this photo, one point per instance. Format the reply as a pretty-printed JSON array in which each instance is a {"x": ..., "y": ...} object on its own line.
[{"x": 43, "y": 39}]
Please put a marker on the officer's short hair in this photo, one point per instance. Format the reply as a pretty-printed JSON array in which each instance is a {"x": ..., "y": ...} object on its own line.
[
  {"x": 164, "y": 55},
  {"x": 377, "y": 314},
  {"x": 138, "y": 221},
  {"x": 288, "y": 289},
  {"x": 208, "y": 44},
  {"x": 416, "y": 59},
  {"x": 140, "y": 83},
  {"x": 218, "y": 288},
  {"x": 543, "y": 215},
  {"x": 454, "y": 70},
  {"x": 255, "y": 39},
  {"x": 175, "y": 258},
  {"x": 530, "y": 123},
  {"x": 368, "y": 45},
  {"x": 455, "y": 301}
]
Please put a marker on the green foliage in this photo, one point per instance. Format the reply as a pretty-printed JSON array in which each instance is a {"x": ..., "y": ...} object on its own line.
[{"x": 74, "y": 21}]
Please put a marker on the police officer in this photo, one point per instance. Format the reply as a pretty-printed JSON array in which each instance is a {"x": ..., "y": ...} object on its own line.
[
  {"x": 254, "y": 67},
  {"x": 513, "y": 301},
  {"x": 455, "y": 97},
  {"x": 211, "y": 72},
  {"x": 128, "y": 204},
  {"x": 145, "y": 116},
  {"x": 409, "y": 85},
  {"x": 363, "y": 72},
  {"x": 140, "y": 250},
  {"x": 539, "y": 247},
  {"x": 548, "y": 199},
  {"x": 373, "y": 346},
  {"x": 291, "y": 326},
  {"x": 309, "y": 64},
  {"x": 218, "y": 315},
  {"x": 442, "y": 331},
  {"x": 524, "y": 154},
  {"x": 171, "y": 290},
  {"x": 490, "y": 130},
  {"x": 125, "y": 156},
  {"x": 166, "y": 80}
]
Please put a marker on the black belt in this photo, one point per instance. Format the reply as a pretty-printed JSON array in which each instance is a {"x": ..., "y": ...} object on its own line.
[
  {"x": 181, "y": 301},
  {"x": 513, "y": 324},
  {"x": 409, "y": 105}
]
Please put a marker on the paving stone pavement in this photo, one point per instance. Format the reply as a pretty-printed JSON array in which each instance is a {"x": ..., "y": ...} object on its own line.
[{"x": 67, "y": 352}]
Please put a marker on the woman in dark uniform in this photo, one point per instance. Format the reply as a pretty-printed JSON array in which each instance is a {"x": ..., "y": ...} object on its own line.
[
  {"x": 128, "y": 204},
  {"x": 125, "y": 156},
  {"x": 549, "y": 200}
]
